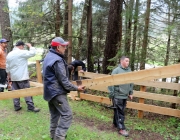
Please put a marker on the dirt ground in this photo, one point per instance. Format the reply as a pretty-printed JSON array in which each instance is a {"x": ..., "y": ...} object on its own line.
[{"x": 106, "y": 127}]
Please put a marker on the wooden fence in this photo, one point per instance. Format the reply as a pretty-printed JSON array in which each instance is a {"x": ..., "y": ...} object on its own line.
[
  {"x": 142, "y": 95},
  {"x": 100, "y": 82}
]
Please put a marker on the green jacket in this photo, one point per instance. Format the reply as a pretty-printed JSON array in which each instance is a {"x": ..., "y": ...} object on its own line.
[{"x": 120, "y": 91}]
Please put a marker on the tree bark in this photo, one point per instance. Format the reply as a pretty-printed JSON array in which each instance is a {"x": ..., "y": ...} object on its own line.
[
  {"x": 112, "y": 35},
  {"x": 129, "y": 13},
  {"x": 90, "y": 64},
  {"x": 5, "y": 23},
  {"x": 134, "y": 34},
  {"x": 145, "y": 38},
  {"x": 70, "y": 3},
  {"x": 65, "y": 32},
  {"x": 57, "y": 18}
]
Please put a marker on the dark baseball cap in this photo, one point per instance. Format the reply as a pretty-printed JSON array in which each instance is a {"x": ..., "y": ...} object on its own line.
[
  {"x": 3, "y": 40},
  {"x": 19, "y": 43},
  {"x": 59, "y": 41}
]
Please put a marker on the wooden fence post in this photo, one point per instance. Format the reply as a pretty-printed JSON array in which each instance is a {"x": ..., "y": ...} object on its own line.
[
  {"x": 38, "y": 71},
  {"x": 141, "y": 100},
  {"x": 78, "y": 69},
  {"x": 79, "y": 81}
]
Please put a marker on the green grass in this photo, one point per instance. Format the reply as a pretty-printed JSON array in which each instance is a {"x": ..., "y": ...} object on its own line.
[
  {"x": 25, "y": 125},
  {"x": 36, "y": 57}
]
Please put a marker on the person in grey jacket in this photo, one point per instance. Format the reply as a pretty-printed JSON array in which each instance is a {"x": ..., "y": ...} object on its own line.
[
  {"x": 119, "y": 95},
  {"x": 56, "y": 88}
]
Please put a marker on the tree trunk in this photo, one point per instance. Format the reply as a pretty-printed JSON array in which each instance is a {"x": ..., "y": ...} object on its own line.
[
  {"x": 70, "y": 2},
  {"x": 145, "y": 38},
  {"x": 112, "y": 35},
  {"x": 5, "y": 23},
  {"x": 129, "y": 13},
  {"x": 57, "y": 18},
  {"x": 65, "y": 32},
  {"x": 90, "y": 64},
  {"x": 80, "y": 37},
  {"x": 134, "y": 34},
  {"x": 120, "y": 25}
]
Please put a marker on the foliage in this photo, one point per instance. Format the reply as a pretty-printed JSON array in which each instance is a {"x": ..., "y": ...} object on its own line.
[{"x": 33, "y": 21}]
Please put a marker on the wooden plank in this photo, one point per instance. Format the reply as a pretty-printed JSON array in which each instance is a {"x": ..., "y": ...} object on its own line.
[
  {"x": 75, "y": 93},
  {"x": 172, "y": 86},
  {"x": 158, "y": 97},
  {"x": 154, "y": 96},
  {"x": 38, "y": 71},
  {"x": 91, "y": 75},
  {"x": 94, "y": 98},
  {"x": 141, "y": 100},
  {"x": 133, "y": 105},
  {"x": 21, "y": 93},
  {"x": 36, "y": 84},
  {"x": 154, "y": 109},
  {"x": 165, "y": 85}
]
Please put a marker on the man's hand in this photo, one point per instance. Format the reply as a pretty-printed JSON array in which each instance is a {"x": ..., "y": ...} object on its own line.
[
  {"x": 131, "y": 97},
  {"x": 81, "y": 71},
  {"x": 81, "y": 88},
  {"x": 28, "y": 45}
]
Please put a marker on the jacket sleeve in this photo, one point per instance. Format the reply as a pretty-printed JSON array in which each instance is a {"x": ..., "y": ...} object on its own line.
[
  {"x": 60, "y": 73},
  {"x": 27, "y": 54},
  {"x": 131, "y": 88},
  {"x": 111, "y": 88}
]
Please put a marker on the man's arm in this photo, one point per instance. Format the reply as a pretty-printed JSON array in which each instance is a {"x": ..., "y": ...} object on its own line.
[
  {"x": 29, "y": 53},
  {"x": 131, "y": 91},
  {"x": 111, "y": 88},
  {"x": 60, "y": 73}
]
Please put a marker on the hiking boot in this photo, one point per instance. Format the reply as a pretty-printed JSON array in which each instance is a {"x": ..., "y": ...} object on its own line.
[
  {"x": 59, "y": 138},
  {"x": 18, "y": 108},
  {"x": 123, "y": 133},
  {"x": 34, "y": 110}
]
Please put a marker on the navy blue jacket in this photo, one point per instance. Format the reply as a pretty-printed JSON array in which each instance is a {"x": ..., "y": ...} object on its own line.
[
  {"x": 77, "y": 63},
  {"x": 55, "y": 76}
]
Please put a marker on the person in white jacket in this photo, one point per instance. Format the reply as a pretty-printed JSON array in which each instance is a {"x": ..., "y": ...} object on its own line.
[{"x": 17, "y": 70}]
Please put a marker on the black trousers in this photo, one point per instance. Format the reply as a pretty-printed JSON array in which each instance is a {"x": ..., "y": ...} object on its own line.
[
  {"x": 16, "y": 85},
  {"x": 119, "y": 116},
  {"x": 3, "y": 79}
]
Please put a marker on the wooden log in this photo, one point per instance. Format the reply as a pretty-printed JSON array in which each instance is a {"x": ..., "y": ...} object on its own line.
[
  {"x": 21, "y": 93},
  {"x": 141, "y": 100},
  {"x": 35, "y": 84},
  {"x": 38, "y": 70}
]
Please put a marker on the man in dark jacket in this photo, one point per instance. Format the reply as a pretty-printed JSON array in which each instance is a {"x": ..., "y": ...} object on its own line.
[
  {"x": 119, "y": 95},
  {"x": 73, "y": 68},
  {"x": 56, "y": 87}
]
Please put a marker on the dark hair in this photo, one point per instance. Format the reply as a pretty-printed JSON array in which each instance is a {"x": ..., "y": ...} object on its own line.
[
  {"x": 54, "y": 47},
  {"x": 123, "y": 57}
]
